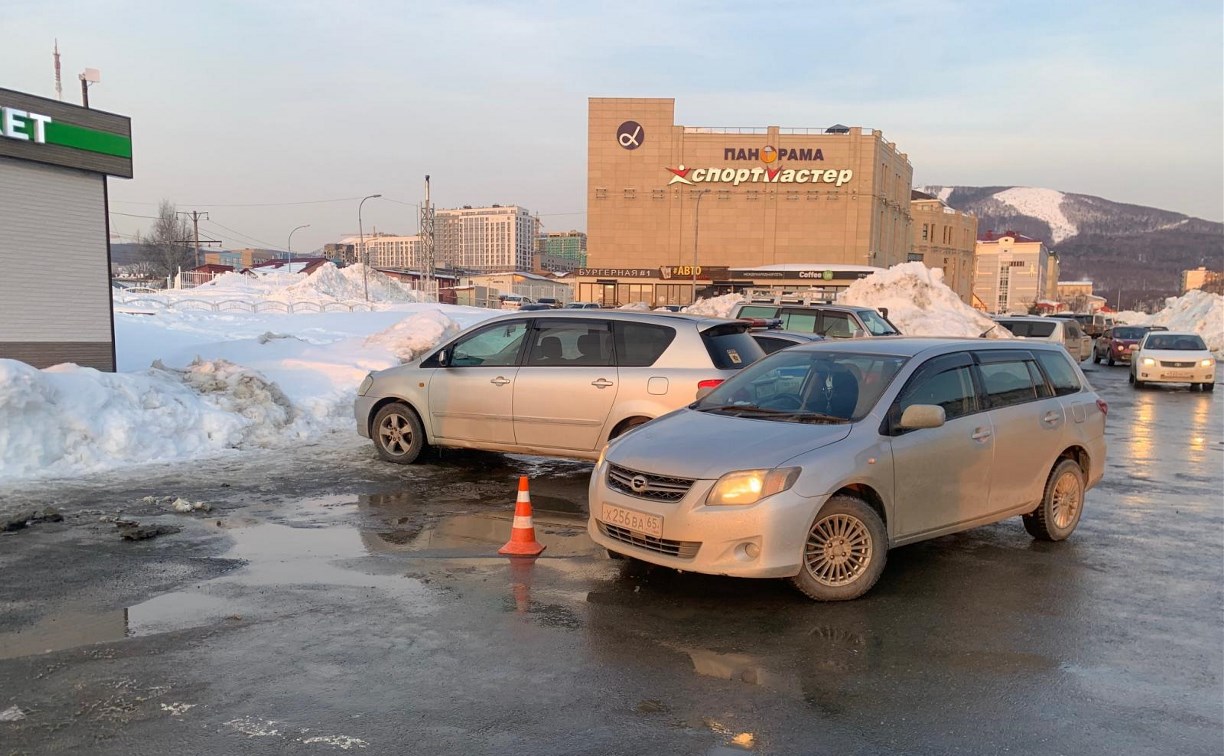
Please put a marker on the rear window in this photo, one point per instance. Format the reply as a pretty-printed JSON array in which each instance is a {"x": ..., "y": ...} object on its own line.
[
  {"x": 1060, "y": 371},
  {"x": 640, "y": 344},
  {"x": 1029, "y": 328},
  {"x": 757, "y": 311},
  {"x": 731, "y": 347},
  {"x": 1129, "y": 333}
]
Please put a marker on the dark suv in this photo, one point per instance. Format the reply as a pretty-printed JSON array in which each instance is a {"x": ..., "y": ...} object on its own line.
[{"x": 830, "y": 321}]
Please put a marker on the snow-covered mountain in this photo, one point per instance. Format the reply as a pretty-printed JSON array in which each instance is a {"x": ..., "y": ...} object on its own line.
[{"x": 1121, "y": 247}]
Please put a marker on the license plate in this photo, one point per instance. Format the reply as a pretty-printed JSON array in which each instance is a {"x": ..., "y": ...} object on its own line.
[
  {"x": 639, "y": 522},
  {"x": 1176, "y": 374}
]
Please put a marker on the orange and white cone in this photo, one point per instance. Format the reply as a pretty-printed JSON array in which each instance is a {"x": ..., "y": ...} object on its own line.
[{"x": 522, "y": 535}]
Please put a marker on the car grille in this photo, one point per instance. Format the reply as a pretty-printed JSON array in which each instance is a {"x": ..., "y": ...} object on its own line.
[
  {"x": 1176, "y": 364},
  {"x": 656, "y": 487},
  {"x": 680, "y": 549}
]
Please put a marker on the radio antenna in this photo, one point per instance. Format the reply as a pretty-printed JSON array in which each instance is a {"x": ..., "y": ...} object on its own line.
[{"x": 59, "y": 85}]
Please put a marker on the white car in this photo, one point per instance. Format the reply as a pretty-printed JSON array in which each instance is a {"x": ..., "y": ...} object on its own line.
[
  {"x": 1168, "y": 357},
  {"x": 1065, "y": 331}
]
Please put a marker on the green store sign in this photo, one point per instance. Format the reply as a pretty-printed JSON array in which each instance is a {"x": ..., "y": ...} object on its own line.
[{"x": 41, "y": 129}]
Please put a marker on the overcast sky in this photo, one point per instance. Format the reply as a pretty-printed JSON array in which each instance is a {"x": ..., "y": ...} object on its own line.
[{"x": 242, "y": 108}]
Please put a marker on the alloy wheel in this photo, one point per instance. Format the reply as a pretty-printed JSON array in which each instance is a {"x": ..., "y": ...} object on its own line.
[
  {"x": 1065, "y": 500},
  {"x": 838, "y": 550},
  {"x": 395, "y": 434}
]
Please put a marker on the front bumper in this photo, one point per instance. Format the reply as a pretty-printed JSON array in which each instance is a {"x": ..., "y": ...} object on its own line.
[
  {"x": 362, "y": 407},
  {"x": 1159, "y": 374},
  {"x": 721, "y": 536}
]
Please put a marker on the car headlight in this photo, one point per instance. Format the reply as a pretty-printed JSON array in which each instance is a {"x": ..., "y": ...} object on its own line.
[
  {"x": 1149, "y": 361},
  {"x": 745, "y": 487},
  {"x": 365, "y": 385},
  {"x": 1207, "y": 362}
]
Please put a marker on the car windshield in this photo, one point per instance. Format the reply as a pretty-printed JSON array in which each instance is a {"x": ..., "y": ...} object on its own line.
[
  {"x": 1175, "y": 342},
  {"x": 877, "y": 325},
  {"x": 1133, "y": 333},
  {"x": 1029, "y": 328},
  {"x": 802, "y": 386}
]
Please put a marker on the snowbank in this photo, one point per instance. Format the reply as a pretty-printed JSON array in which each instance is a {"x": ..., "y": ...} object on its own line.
[
  {"x": 1195, "y": 311},
  {"x": 415, "y": 335},
  {"x": 326, "y": 284},
  {"x": 919, "y": 303},
  {"x": 715, "y": 307}
]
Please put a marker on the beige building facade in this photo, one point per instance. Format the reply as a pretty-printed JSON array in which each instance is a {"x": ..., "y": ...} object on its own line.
[
  {"x": 1013, "y": 273},
  {"x": 945, "y": 238},
  {"x": 668, "y": 203},
  {"x": 1198, "y": 278}
]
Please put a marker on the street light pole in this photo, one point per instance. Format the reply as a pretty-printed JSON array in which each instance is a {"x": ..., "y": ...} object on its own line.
[
  {"x": 365, "y": 258},
  {"x": 696, "y": 237},
  {"x": 289, "y": 267}
]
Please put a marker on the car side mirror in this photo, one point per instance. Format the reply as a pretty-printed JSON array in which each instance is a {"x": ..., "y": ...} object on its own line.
[
  {"x": 444, "y": 358},
  {"x": 922, "y": 416}
]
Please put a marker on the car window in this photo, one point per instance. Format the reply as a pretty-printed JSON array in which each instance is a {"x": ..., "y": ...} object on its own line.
[
  {"x": 1073, "y": 329},
  {"x": 1127, "y": 333},
  {"x": 640, "y": 344},
  {"x": 556, "y": 343},
  {"x": 771, "y": 344},
  {"x": 1174, "y": 342},
  {"x": 1060, "y": 371},
  {"x": 758, "y": 311},
  {"x": 951, "y": 389},
  {"x": 877, "y": 325},
  {"x": 731, "y": 347},
  {"x": 836, "y": 325},
  {"x": 1031, "y": 328},
  {"x": 497, "y": 346},
  {"x": 1109, "y": 334},
  {"x": 1007, "y": 382},
  {"x": 806, "y": 386},
  {"x": 803, "y": 321}
]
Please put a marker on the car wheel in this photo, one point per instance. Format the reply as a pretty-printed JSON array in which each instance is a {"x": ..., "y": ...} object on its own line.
[
  {"x": 844, "y": 553},
  {"x": 1110, "y": 361},
  {"x": 398, "y": 434},
  {"x": 1209, "y": 387},
  {"x": 1096, "y": 357},
  {"x": 627, "y": 425},
  {"x": 1061, "y": 505}
]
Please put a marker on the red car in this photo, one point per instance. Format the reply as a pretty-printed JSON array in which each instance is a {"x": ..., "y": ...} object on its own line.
[{"x": 1116, "y": 344}]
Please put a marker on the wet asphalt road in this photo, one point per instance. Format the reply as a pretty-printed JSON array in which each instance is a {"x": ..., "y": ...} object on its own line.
[{"x": 332, "y": 603}]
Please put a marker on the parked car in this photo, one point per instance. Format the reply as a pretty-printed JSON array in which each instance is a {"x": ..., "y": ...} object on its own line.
[
  {"x": 1116, "y": 344},
  {"x": 582, "y": 306},
  {"x": 1169, "y": 357},
  {"x": 773, "y": 340},
  {"x": 1093, "y": 324},
  {"x": 830, "y": 321},
  {"x": 556, "y": 383},
  {"x": 1065, "y": 331},
  {"x": 552, "y": 302},
  {"x": 513, "y": 301},
  {"x": 818, "y": 459}
]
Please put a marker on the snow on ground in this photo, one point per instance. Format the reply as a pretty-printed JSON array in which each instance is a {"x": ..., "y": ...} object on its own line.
[
  {"x": 193, "y": 383},
  {"x": 1045, "y": 204},
  {"x": 1195, "y": 311},
  {"x": 326, "y": 284},
  {"x": 715, "y": 307},
  {"x": 919, "y": 303}
]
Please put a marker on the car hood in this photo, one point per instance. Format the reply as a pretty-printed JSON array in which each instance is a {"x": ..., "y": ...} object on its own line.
[{"x": 703, "y": 445}]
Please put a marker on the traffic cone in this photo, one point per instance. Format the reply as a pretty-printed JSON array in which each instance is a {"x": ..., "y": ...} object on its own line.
[{"x": 522, "y": 535}]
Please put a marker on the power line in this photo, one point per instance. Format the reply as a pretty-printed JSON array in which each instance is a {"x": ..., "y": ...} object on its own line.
[
  {"x": 241, "y": 235},
  {"x": 247, "y": 204}
]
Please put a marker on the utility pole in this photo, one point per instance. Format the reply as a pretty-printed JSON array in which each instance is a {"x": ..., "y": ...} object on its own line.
[
  {"x": 427, "y": 239},
  {"x": 363, "y": 255},
  {"x": 195, "y": 216}
]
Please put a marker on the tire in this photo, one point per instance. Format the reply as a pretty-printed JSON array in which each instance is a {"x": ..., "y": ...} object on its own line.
[
  {"x": 398, "y": 434},
  {"x": 1061, "y": 505},
  {"x": 843, "y": 526},
  {"x": 1110, "y": 361},
  {"x": 1096, "y": 358},
  {"x": 627, "y": 426},
  {"x": 1130, "y": 377},
  {"x": 1208, "y": 387}
]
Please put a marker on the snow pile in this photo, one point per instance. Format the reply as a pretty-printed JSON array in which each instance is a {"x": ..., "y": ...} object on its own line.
[
  {"x": 1195, "y": 311},
  {"x": 69, "y": 419},
  {"x": 639, "y": 306},
  {"x": 415, "y": 335},
  {"x": 351, "y": 283},
  {"x": 1043, "y": 204},
  {"x": 919, "y": 303},
  {"x": 715, "y": 307}
]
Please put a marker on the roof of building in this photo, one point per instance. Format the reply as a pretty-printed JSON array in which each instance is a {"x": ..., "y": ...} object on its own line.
[
  {"x": 795, "y": 267},
  {"x": 917, "y": 195},
  {"x": 992, "y": 236}
]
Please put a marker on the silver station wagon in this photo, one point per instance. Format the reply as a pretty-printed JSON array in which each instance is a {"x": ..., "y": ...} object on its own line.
[
  {"x": 556, "y": 383},
  {"x": 812, "y": 463}
]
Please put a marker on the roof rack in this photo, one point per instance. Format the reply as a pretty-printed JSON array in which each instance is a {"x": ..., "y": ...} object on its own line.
[{"x": 790, "y": 296}]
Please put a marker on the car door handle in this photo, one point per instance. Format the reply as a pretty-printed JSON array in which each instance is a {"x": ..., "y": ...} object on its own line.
[
  {"x": 980, "y": 434},
  {"x": 602, "y": 383},
  {"x": 1050, "y": 418},
  {"x": 500, "y": 380}
]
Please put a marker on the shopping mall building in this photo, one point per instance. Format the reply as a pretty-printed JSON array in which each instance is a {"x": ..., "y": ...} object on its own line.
[{"x": 675, "y": 208}]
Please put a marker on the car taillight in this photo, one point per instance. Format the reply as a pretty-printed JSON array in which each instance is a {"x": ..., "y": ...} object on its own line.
[
  {"x": 709, "y": 384},
  {"x": 1102, "y": 406}
]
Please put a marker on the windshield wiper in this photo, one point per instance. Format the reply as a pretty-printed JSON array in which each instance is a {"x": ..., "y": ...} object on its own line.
[
  {"x": 800, "y": 416},
  {"x": 749, "y": 408}
]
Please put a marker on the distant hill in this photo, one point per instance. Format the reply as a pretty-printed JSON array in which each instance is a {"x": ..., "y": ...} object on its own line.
[{"x": 1129, "y": 249}]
